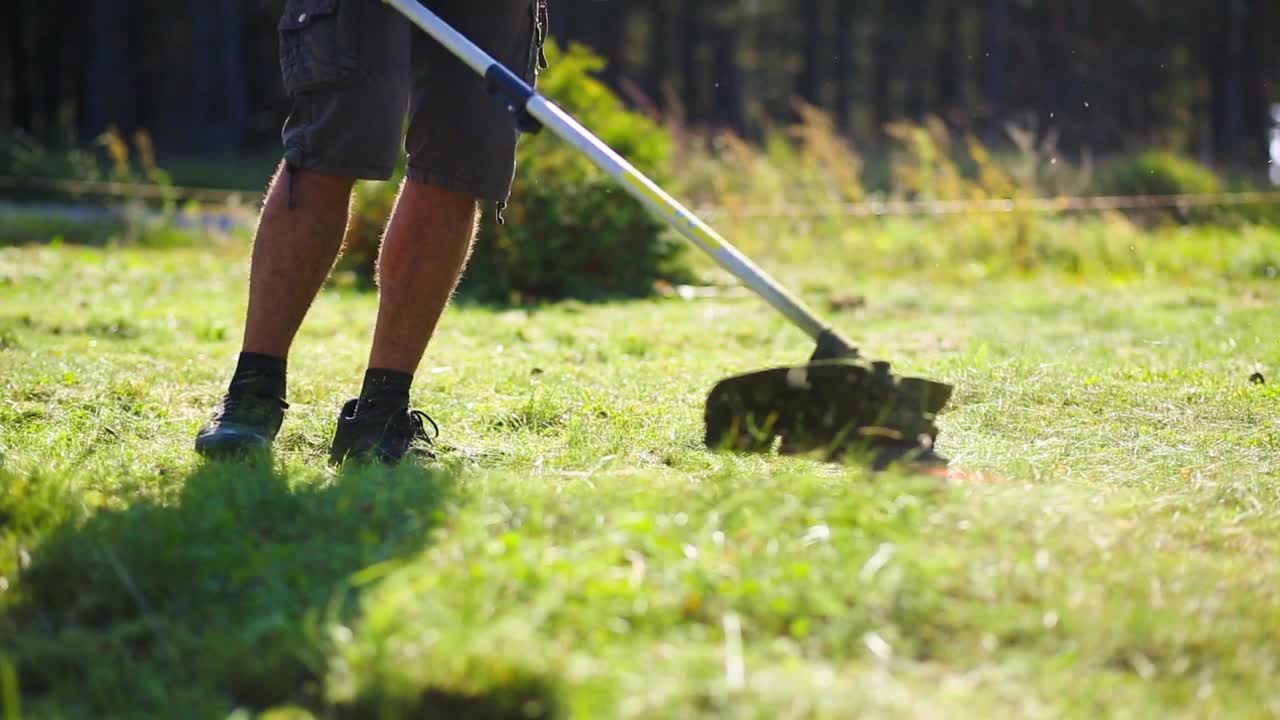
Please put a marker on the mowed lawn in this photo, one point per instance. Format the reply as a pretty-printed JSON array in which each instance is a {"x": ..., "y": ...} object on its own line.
[{"x": 578, "y": 553}]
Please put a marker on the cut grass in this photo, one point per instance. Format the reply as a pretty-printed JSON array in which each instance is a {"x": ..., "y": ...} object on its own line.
[{"x": 578, "y": 554}]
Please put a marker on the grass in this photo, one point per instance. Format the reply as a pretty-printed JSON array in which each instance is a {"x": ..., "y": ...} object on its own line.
[{"x": 578, "y": 554}]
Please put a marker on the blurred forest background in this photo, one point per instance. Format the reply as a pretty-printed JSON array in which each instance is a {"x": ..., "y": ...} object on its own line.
[{"x": 1200, "y": 77}]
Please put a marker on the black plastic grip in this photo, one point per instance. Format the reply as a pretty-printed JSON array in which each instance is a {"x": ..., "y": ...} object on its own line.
[{"x": 503, "y": 83}]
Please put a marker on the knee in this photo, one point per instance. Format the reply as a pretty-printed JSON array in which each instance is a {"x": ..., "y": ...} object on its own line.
[
  {"x": 321, "y": 184},
  {"x": 296, "y": 188},
  {"x": 441, "y": 199}
]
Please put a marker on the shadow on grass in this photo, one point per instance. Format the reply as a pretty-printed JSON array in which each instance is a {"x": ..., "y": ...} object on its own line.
[{"x": 224, "y": 598}]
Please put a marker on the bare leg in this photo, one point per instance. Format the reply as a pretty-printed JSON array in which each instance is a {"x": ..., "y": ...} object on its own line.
[
  {"x": 426, "y": 247},
  {"x": 293, "y": 252}
]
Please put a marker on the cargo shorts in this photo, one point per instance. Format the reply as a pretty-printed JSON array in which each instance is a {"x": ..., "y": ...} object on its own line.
[{"x": 355, "y": 69}]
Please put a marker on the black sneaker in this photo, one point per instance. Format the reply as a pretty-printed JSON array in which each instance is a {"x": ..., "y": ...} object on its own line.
[
  {"x": 382, "y": 436},
  {"x": 244, "y": 423}
]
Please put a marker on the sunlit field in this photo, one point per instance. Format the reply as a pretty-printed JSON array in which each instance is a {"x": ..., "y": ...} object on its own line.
[{"x": 576, "y": 552}]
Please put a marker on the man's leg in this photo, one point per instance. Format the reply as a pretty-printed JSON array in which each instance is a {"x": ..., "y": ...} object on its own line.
[
  {"x": 461, "y": 144},
  {"x": 427, "y": 244},
  {"x": 299, "y": 234},
  {"x": 346, "y": 68},
  {"x": 298, "y": 239}
]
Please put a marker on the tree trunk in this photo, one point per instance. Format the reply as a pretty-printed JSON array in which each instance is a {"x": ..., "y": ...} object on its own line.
[
  {"x": 202, "y": 52},
  {"x": 881, "y": 73},
  {"x": 809, "y": 84},
  {"x": 691, "y": 68},
  {"x": 659, "y": 66},
  {"x": 14, "y": 102},
  {"x": 108, "y": 96},
  {"x": 1234, "y": 77},
  {"x": 51, "y": 60},
  {"x": 1258, "y": 94},
  {"x": 846, "y": 47},
  {"x": 1214, "y": 31},
  {"x": 596, "y": 25},
  {"x": 728, "y": 100},
  {"x": 947, "y": 64},
  {"x": 1063, "y": 100},
  {"x": 997, "y": 66},
  {"x": 234, "y": 82}
]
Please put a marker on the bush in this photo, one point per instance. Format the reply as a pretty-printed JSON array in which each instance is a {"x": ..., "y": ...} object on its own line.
[
  {"x": 129, "y": 216},
  {"x": 1159, "y": 172},
  {"x": 60, "y": 155},
  {"x": 371, "y": 205},
  {"x": 570, "y": 231}
]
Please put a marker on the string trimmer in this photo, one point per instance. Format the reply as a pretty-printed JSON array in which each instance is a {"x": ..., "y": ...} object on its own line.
[{"x": 836, "y": 405}]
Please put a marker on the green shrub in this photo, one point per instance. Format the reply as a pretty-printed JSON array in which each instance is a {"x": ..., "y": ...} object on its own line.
[
  {"x": 59, "y": 155},
  {"x": 371, "y": 205},
  {"x": 127, "y": 217},
  {"x": 569, "y": 230},
  {"x": 1159, "y": 172}
]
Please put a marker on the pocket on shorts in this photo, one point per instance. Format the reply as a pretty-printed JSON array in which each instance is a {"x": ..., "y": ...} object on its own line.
[{"x": 319, "y": 45}]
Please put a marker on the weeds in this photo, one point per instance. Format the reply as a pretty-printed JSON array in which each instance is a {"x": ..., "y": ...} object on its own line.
[{"x": 139, "y": 216}]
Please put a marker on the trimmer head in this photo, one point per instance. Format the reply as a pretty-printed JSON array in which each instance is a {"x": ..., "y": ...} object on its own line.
[{"x": 835, "y": 409}]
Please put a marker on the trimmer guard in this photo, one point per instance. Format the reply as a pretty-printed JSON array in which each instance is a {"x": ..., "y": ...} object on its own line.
[{"x": 833, "y": 409}]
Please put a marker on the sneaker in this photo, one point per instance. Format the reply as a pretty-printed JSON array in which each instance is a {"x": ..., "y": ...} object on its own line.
[
  {"x": 382, "y": 436},
  {"x": 244, "y": 423}
]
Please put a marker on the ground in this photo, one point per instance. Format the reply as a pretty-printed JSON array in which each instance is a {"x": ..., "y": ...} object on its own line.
[{"x": 577, "y": 553}]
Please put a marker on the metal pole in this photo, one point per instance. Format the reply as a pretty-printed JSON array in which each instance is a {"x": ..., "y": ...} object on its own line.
[{"x": 632, "y": 180}]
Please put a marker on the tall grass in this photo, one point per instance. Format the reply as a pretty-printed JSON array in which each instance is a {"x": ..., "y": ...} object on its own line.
[
  {"x": 137, "y": 216},
  {"x": 789, "y": 199},
  {"x": 786, "y": 199}
]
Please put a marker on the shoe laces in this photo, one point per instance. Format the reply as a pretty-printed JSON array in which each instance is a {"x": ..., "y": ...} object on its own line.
[
  {"x": 416, "y": 422},
  {"x": 247, "y": 407}
]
